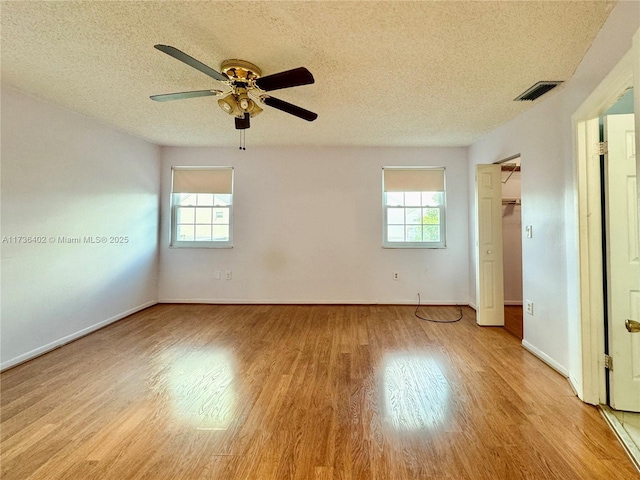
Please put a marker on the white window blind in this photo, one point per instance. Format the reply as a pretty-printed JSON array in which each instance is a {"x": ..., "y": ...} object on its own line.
[
  {"x": 414, "y": 179},
  {"x": 202, "y": 180}
]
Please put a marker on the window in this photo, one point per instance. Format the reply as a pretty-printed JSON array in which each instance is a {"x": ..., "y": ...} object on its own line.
[
  {"x": 202, "y": 207},
  {"x": 414, "y": 207}
]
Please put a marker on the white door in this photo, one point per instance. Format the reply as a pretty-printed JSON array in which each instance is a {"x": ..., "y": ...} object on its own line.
[
  {"x": 489, "y": 277},
  {"x": 623, "y": 261}
]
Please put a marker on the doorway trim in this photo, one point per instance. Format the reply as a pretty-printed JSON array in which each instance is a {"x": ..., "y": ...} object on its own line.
[{"x": 591, "y": 387}]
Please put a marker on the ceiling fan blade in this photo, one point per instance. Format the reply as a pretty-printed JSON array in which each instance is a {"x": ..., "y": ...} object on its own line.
[
  {"x": 165, "y": 97},
  {"x": 290, "y": 78},
  {"x": 192, "y": 62},
  {"x": 290, "y": 108}
]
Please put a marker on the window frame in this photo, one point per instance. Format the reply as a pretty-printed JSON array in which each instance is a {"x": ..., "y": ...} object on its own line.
[
  {"x": 174, "y": 206},
  {"x": 442, "y": 244}
]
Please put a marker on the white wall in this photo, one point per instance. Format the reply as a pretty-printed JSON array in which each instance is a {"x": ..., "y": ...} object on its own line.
[
  {"x": 67, "y": 175},
  {"x": 543, "y": 137},
  {"x": 308, "y": 229}
]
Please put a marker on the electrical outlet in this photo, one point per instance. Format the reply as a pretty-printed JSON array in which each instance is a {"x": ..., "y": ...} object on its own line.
[
  {"x": 529, "y": 307},
  {"x": 216, "y": 274},
  {"x": 396, "y": 275},
  {"x": 228, "y": 275}
]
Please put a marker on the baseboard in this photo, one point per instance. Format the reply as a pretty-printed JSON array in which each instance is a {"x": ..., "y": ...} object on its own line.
[
  {"x": 573, "y": 383},
  {"x": 244, "y": 301},
  {"x": 474, "y": 306},
  {"x": 70, "y": 338},
  {"x": 545, "y": 358}
]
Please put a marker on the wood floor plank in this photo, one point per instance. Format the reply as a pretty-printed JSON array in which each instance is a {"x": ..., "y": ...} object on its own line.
[{"x": 297, "y": 392}]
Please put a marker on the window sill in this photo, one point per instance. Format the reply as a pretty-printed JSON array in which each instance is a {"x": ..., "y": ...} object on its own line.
[
  {"x": 200, "y": 245},
  {"x": 419, "y": 247}
]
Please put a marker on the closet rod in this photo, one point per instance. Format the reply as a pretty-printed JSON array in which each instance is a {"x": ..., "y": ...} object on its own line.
[{"x": 511, "y": 201}]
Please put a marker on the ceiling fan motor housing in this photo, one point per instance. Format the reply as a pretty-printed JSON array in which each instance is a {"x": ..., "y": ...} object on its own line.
[{"x": 240, "y": 70}]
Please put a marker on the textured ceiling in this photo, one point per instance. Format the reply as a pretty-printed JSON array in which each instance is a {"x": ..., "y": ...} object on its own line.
[{"x": 387, "y": 73}]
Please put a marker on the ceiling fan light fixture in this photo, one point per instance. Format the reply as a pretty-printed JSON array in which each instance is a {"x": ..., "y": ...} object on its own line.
[
  {"x": 230, "y": 105},
  {"x": 255, "y": 110},
  {"x": 245, "y": 104}
]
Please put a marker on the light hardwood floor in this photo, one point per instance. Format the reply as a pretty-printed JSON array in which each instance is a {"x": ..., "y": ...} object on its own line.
[
  {"x": 298, "y": 392},
  {"x": 513, "y": 320}
]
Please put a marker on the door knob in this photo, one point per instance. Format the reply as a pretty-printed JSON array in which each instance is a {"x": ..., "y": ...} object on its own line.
[
  {"x": 489, "y": 252},
  {"x": 632, "y": 326}
]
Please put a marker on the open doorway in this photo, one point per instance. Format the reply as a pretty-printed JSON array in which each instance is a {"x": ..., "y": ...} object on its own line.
[
  {"x": 619, "y": 226},
  {"x": 609, "y": 253},
  {"x": 512, "y": 244},
  {"x": 499, "y": 245}
]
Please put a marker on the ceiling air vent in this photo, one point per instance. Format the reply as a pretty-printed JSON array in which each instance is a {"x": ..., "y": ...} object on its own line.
[{"x": 536, "y": 91}]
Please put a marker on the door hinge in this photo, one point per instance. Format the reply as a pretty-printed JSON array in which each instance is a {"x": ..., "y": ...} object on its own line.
[
  {"x": 608, "y": 362},
  {"x": 603, "y": 148}
]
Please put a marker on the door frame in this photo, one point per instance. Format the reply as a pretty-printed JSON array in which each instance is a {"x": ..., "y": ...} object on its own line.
[
  {"x": 479, "y": 290},
  {"x": 590, "y": 384}
]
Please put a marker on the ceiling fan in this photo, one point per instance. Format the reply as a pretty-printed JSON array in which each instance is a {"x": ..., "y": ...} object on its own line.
[{"x": 245, "y": 87}]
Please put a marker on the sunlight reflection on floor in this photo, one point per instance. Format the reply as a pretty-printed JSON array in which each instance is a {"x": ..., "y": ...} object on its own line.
[
  {"x": 415, "y": 392},
  {"x": 201, "y": 387}
]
